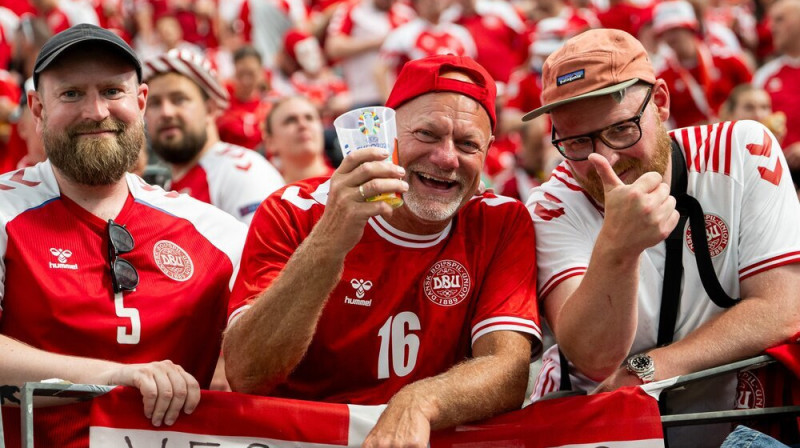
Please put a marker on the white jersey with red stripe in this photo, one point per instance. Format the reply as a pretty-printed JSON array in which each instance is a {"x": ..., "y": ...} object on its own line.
[
  {"x": 737, "y": 172},
  {"x": 407, "y": 306},
  {"x": 420, "y": 38},
  {"x": 232, "y": 178},
  {"x": 56, "y": 290},
  {"x": 360, "y": 19}
]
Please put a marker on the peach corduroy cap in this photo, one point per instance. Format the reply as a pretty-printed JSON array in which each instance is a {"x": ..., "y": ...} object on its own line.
[{"x": 594, "y": 63}]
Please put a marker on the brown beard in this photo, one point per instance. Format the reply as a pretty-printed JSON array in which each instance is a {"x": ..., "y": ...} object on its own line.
[
  {"x": 661, "y": 156},
  {"x": 180, "y": 151},
  {"x": 94, "y": 161}
]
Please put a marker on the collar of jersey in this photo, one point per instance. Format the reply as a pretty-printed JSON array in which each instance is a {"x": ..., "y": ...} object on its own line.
[{"x": 404, "y": 239}]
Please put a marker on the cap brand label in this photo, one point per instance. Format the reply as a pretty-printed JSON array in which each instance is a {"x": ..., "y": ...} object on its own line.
[{"x": 569, "y": 77}]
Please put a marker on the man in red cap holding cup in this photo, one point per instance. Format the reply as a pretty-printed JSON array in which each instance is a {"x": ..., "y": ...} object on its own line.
[
  {"x": 627, "y": 285},
  {"x": 429, "y": 307}
]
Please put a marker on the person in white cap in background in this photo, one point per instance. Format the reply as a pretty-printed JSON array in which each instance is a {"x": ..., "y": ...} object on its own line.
[{"x": 185, "y": 99}]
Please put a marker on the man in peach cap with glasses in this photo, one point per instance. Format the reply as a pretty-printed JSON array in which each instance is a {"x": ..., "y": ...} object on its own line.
[{"x": 608, "y": 220}]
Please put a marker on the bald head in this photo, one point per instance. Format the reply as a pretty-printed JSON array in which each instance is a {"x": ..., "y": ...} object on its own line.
[{"x": 785, "y": 18}]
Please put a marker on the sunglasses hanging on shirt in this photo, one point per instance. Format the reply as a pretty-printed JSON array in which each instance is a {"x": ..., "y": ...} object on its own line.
[{"x": 124, "y": 276}]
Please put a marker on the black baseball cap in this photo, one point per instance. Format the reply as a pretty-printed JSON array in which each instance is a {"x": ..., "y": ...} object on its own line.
[{"x": 82, "y": 33}]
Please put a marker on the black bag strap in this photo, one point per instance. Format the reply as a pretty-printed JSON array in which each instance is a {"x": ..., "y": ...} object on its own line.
[
  {"x": 566, "y": 382},
  {"x": 673, "y": 265},
  {"x": 689, "y": 208},
  {"x": 701, "y": 254}
]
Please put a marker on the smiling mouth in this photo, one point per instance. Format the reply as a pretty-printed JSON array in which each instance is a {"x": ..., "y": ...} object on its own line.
[
  {"x": 437, "y": 184},
  {"x": 98, "y": 133}
]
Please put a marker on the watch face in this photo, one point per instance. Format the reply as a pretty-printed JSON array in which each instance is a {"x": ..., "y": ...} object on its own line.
[{"x": 641, "y": 363}]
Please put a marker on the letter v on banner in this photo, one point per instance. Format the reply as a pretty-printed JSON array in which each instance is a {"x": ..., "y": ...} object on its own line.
[{"x": 229, "y": 419}]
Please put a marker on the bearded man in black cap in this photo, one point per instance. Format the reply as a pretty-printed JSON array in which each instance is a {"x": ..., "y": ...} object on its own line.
[{"x": 101, "y": 273}]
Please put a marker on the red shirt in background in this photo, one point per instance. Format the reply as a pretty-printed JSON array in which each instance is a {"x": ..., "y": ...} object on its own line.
[
  {"x": 241, "y": 123},
  {"x": 499, "y": 34}
]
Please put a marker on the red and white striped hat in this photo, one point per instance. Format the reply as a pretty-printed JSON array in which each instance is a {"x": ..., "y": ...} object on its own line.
[{"x": 192, "y": 65}]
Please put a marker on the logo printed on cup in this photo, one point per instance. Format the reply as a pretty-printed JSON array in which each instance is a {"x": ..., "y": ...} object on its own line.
[
  {"x": 369, "y": 123},
  {"x": 370, "y": 127}
]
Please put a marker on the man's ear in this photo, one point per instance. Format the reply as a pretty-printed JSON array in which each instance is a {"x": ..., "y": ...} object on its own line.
[
  {"x": 661, "y": 99},
  {"x": 212, "y": 109},
  {"x": 35, "y": 105},
  {"x": 266, "y": 138},
  {"x": 141, "y": 96}
]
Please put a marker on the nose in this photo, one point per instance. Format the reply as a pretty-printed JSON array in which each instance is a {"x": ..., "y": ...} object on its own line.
[
  {"x": 445, "y": 155},
  {"x": 604, "y": 150},
  {"x": 95, "y": 107},
  {"x": 163, "y": 108},
  {"x": 303, "y": 123}
]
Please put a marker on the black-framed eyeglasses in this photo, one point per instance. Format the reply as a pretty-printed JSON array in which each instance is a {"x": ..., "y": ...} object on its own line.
[
  {"x": 124, "y": 276},
  {"x": 620, "y": 135}
]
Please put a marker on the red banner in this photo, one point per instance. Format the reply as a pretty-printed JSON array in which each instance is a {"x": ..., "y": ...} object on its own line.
[{"x": 622, "y": 419}]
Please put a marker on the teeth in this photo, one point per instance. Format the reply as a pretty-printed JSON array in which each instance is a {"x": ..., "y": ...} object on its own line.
[{"x": 444, "y": 181}]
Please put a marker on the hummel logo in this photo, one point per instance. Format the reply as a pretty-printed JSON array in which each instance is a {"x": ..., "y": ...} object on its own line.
[
  {"x": 62, "y": 255},
  {"x": 361, "y": 287}
]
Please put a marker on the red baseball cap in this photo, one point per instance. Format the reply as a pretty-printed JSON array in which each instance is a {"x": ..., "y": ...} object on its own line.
[
  {"x": 292, "y": 38},
  {"x": 594, "y": 63},
  {"x": 423, "y": 76}
]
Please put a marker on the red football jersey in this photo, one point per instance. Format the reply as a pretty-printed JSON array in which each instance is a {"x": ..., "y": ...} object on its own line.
[
  {"x": 419, "y": 38},
  {"x": 57, "y": 294},
  {"x": 780, "y": 78},
  {"x": 697, "y": 93},
  {"x": 499, "y": 35},
  {"x": 524, "y": 91},
  {"x": 407, "y": 306},
  {"x": 240, "y": 124}
]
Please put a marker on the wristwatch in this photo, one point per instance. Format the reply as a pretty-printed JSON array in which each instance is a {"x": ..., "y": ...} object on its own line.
[{"x": 642, "y": 366}]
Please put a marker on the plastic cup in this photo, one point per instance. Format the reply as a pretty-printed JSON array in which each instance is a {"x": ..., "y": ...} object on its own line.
[{"x": 370, "y": 127}]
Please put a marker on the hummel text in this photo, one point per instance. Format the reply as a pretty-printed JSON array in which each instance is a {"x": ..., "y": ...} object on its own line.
[{"x": 359, "y": 302}]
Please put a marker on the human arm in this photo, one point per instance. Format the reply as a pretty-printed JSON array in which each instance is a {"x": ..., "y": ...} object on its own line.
[
  {"x": 266, "y": 342},
  {"x": 768, "y": 314},
  {"x": 637, "y": 216},
  {"x": 340, "y": 46},
  {"x": 165, "y": 387},
  {"x": 493, "y": 381},
  {"x": 768, "y": 275}
]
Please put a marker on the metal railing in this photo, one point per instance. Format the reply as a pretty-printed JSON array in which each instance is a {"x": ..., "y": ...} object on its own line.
[{"x": 82, "y": 392}]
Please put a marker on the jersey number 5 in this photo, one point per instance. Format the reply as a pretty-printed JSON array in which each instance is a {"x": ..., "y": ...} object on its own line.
[
  {"x": 404, "y": 346},
  {"x": 123, "y": 337}
]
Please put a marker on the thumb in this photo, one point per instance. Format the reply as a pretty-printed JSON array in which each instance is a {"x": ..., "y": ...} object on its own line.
[{"x": 605, "y": 172}]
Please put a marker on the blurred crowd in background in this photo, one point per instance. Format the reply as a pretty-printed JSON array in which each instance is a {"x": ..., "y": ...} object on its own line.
[{"x": 722, "y": 60}]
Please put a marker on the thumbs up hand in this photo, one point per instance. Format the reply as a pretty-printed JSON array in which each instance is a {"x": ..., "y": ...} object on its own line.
[{"x": 637, "y": 216}]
